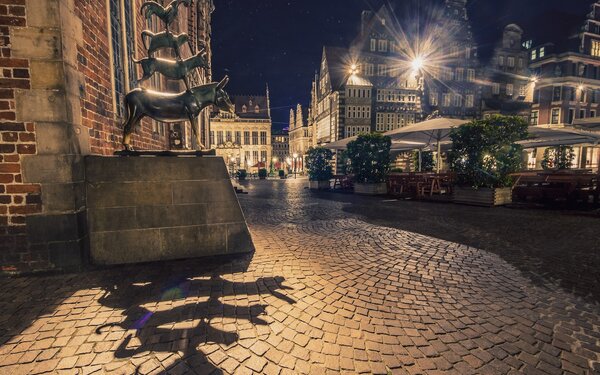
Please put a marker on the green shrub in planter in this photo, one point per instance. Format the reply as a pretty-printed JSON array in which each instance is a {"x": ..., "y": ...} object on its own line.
[
  {"x": 318, "y": 164},
  {"x": 558, "y": 158},
  {"x": 242, "y": 174},
  {"x": 370, "y": 158},
  {"x": 281, "y": 174},
  {"x": 484, "y": 153},
  {"x": 262, "y": 173},
  {"x": 427, "y": 161}
]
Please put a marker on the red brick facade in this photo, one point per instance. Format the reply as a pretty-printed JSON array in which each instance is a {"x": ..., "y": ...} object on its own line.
[
  {"x": 20, "y": 200},
  {"x": 16, "y": 139}
]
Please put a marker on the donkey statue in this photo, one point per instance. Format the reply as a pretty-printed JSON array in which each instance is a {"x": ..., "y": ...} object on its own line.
[{"x": 185, "y": 106}]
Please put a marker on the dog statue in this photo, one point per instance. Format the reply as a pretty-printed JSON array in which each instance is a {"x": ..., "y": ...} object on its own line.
[{"x": 171, "y": 69}]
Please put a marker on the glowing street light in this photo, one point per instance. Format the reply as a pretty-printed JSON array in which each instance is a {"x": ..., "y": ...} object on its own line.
[
  {"x": 353, "y": 69},
  {"x": 418, "y": 63}
]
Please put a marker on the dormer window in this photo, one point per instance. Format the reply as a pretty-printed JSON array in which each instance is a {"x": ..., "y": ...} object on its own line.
[
  {"x": 250, "y": 102},
  {"x": 244, "y": 109},
  {"x": 257, "y": 109}
]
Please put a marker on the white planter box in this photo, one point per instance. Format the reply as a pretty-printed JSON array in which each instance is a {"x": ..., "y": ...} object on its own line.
[
  {"x": 483, "y": 197},
  {"x": 370, "y": 189},
  {"x": 319, "y": 185}
]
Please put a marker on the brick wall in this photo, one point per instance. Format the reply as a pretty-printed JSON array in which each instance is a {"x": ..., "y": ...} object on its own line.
[
  {"x": 56, "y": 104},
  {"x": 16, "y": 139},
  {"x": 97, "y": 101}
]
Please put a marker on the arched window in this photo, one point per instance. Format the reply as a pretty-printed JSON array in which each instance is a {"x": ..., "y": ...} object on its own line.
[
  {"x": 244, "y": 109},
  {"x": 257, "y": 109}
]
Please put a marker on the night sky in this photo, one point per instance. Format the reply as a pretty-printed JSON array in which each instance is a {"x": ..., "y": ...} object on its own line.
[{"x": 280, "y": 42}]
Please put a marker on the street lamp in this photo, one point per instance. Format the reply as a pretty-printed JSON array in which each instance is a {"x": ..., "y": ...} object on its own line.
[
  {"x": 417, "y": 63},
  {"x": 295, "y": 165},
  {"x": 353, "y": 69},
  {"x": 273, "y": 165},
  {"x": 232, "y": 166}
]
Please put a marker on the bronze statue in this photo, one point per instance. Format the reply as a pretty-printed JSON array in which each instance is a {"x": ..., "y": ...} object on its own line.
[
  {"x": 168, "y": 14},
  {"x": 176, "y": 70},
  {"x": 173, "y": 107},
  {"x": 163, "y": 40}
]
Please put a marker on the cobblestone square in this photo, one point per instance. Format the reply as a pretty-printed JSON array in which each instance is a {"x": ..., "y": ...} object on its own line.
[{"x": 335, "y": 286}]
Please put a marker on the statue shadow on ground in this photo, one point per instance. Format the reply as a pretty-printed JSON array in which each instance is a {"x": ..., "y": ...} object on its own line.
[{"x": 195, "y": 291}]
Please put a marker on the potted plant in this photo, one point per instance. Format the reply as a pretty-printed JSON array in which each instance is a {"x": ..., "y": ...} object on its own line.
[
  {"x": 242, "y": 174},
  {"x": 318, "y": 165},
  {"x": 281, "y": 174},
  {"x": 370, "y": 163},
  {"x": 262, "y": 174},
  {"x": 484, "y": 155},
  {"x": 425, "y": 159},
  {"x": 558, "y": 158}
]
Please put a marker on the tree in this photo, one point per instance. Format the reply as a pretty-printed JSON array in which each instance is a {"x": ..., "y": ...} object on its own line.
[
  {"x": 558, "y": 158},
  {"x": 318, "y": 164},
  {"x": 370, "y": 158},
  {"x": 427, "y": 162},
  {"x": 484, "y": 153}
]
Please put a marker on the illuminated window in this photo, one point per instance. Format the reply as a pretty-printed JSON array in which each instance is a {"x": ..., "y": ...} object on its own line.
[
  {"x": 373, "y": 45},
  {"x": 596, "y": 48},
  {"x": 533, "y": 120},
  {"x": 460, "y": 73},
  {"x": 542, "y": 52},
  {"x": 555, "y": 116},
  {"x": 470, "y": 101},
  {"x": 510, "y": 89},
  {"x": 534, "y": 54},
  {"x": 557, "y": 93},
  {"x": 457, "y": 100},
  {"x": 433, "y": 98},
  {"x": 446, "y": 99},
  {"x": 522, "y": 91},
  {"x": 383, "y": 45},
  {"x": 496, "y": 88},
  {"x": 510, "y": 62},
  {"x": 470, "y": 75},
  {"x": 501, "y": 60}
]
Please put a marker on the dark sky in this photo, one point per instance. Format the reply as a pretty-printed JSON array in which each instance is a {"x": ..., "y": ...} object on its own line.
[{"x": 280, "y": 42}]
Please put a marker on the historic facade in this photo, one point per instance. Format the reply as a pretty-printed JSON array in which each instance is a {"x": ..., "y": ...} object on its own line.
[
  {"x": 453, "y": 89},
  {"x": 363, "y": 88},
  {"x": 280, "y": 140},
  {"x": 65, "y": 69},
  {"x": 508, "y": 85},
  {"x": 568, "y": 82},
  {"x": 301, "y": 137},
  {"x": 244, "y": 139}
]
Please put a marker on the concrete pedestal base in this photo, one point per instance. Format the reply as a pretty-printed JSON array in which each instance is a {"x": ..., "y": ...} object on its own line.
[{"x": 145, "y": 209}]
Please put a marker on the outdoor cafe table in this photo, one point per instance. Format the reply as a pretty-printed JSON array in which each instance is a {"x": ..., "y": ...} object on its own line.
[
  {"x": 420, "y": 184},
  {"x": 557, "y": 184}
]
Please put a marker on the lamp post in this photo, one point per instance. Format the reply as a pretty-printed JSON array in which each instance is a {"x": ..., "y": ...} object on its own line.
[
  {"x": 273, "y": 165},
  {"x": 295, "y": 165}
]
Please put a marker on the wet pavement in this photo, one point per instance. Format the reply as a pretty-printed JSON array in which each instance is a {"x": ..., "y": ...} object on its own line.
[{"x": 338, "y": 284}]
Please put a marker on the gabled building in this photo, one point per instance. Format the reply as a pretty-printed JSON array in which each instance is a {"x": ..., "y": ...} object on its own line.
[
  {"x": 568, "y": 81},
  {"x": 453, "y": 89},
  {"x": 508, "y": 85},
  {"x": 365, "y": 88},
  {"x": 300, "y": 132}
]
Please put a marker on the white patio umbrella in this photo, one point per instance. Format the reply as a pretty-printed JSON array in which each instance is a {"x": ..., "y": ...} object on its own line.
[
  {"x": 548, "y": 137},
  {"x": 436, "y": 131},
  {"x": 590, "y": 123}
]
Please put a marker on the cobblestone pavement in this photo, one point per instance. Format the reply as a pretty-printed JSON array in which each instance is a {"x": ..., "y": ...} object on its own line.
[{"x": 325, "y": 292}]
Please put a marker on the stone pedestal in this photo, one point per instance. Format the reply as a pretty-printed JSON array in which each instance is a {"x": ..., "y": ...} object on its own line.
[{"x": 145, "y": 209}]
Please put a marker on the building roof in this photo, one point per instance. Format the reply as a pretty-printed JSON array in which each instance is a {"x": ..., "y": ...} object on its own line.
[{"x": 337, "y": 61}]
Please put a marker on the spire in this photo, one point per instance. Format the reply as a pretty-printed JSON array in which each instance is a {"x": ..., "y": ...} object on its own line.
[
  {"x": 292, "y": 119},
  {"x": 268, "y": 102}
]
